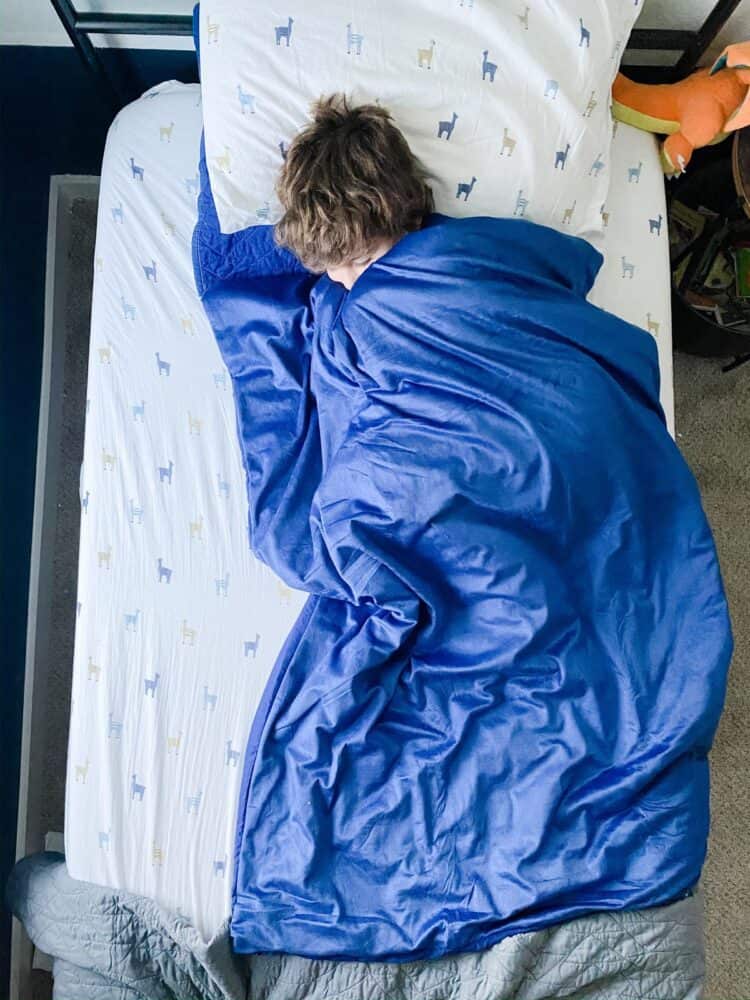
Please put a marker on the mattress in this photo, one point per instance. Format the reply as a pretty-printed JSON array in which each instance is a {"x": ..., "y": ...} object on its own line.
[{"x": 178, "y": 625}]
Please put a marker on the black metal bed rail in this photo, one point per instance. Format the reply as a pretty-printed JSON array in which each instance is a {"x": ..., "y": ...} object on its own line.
[
  {"x": 690, "y": 44},
  {"x": 80, "y": 25}
]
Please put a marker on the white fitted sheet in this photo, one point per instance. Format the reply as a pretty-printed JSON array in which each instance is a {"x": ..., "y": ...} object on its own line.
[{"x": 194, "y": 618}]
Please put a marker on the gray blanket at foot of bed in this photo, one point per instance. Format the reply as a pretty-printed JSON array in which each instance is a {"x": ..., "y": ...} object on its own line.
[{"x": 113, "y": 945}]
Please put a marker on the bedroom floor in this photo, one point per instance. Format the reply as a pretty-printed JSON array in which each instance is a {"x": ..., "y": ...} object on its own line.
[
  {"x": 712, "y": 417},
  {"x": 713, "y": 426}
]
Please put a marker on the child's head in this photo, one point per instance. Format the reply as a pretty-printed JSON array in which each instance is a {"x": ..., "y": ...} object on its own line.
[{"x": 350, "y": 188}]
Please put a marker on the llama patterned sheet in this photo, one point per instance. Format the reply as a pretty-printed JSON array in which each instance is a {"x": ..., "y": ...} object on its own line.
[
  {"x": 178, "y": 625},
  {"x": 634, "y": 281}
]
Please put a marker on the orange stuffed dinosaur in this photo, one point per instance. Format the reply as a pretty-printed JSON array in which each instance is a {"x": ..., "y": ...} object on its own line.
[{"x": 695, "y": 112}]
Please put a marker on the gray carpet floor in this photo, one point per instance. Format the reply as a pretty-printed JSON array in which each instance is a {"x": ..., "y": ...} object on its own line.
[
  {"x": 713, "y": 428},
  {"x": 712, "y": 418},
  {"x": 57, "y": 660},
  {"x": 67, "y": 529}
]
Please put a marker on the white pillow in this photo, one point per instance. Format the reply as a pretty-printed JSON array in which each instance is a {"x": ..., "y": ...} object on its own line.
[{"x": 507, "y": 104}]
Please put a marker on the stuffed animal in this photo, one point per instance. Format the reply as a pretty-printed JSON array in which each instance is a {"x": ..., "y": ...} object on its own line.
[{"x": 698, "y": 111}]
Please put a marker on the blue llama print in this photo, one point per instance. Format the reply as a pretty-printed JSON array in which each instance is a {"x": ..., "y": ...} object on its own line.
[
  {"x": 488, "y": 68},
  {"x": 150, "y": 684},
  {"x": 223, "y": 486},
  {"x": 551, "y": 88},
  {"x": 465, "y": 189},
  {"x": 220, "y": 380},
  {"x": 222, "y": 585},
  {"x": 521, "y": 203},
  {"x": 209, "y": 699},
  {"x": 193, "y": 802},
  {"x": 128, "y": 309},
  {"x": 353, "y": 41},
  {"x": 139, "y": 410},
  {"x": 117, "y": 214},
  {"x": 284, "y": 31},
  {"x": 164, "y": 367},
  {"x": 445, "y": 128},
  {"x": 165, "y": 472},
  {"x": 628, "y": 269},
  {"x": 654, "y": 225},
  {"x": 165, "y": 573},
  {"x": 131, "y": 620},
  {"x": 597, "y": 165},
  {"x": 246, "y": 100},
  {"x": 634, "y": 173},
  {"x": 136, "y": 513},
  {"x": 114, "y": 729},
  {"x": 561, "y": 157},
  {"x": 262, "y": 213},
  {"x": 136, "y": 171},
  {"x": 136, "y": 790},
  {"x": 231, "y": 757},
  {"x": 191, "y": 184},
  {"x": 85, "y": 502},
  {"x": 251, "y": 645},
  {"x": 585, "y": 35},
  {"x": 104, "y": 839},
  {"x": 220, "y": 867},
  {"x": 150, "y": 271}
]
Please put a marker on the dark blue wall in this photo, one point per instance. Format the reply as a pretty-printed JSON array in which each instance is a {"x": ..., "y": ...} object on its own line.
[{"x": 53, "y": 120}]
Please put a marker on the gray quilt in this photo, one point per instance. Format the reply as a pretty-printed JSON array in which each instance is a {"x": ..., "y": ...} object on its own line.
[{"x": 113, "y": 945}]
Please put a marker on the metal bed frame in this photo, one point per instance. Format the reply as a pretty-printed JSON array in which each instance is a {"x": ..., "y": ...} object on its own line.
[{"x": 690, "y": 44}]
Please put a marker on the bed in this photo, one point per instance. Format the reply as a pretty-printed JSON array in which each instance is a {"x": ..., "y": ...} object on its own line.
[
  {"x": 178, "y": 625},
  {"x": 170, "y": 658}
]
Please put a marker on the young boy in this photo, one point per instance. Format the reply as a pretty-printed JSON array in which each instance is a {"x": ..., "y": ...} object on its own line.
[
  {"x": 350, "y": 188},
  {"x": 494, "y": 712}
]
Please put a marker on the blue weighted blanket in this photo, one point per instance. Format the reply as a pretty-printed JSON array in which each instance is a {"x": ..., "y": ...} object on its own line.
[{"x": 495, "y": 709}]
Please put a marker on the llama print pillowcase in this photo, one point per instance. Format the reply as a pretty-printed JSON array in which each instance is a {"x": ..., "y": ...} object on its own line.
[{"x": 507, "y": 104}]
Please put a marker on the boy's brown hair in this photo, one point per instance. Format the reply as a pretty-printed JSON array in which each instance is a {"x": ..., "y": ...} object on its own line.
[{"x": 349, "y": 180}]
